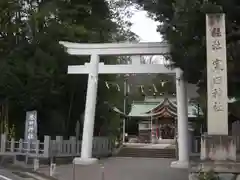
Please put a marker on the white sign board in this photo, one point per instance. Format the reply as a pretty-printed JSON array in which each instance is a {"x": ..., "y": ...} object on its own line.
[
  {"x": 216, "y": 75},
  {"x": 31, "y": 126}
]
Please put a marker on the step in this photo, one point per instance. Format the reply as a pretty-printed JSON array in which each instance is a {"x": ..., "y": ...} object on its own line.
[{"x": 151, "y": 153}]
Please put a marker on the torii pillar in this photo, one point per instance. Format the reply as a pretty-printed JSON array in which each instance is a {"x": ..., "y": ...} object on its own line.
[
  {"x": 94, "y": 68},
  {"x": 182, "y": 122},
  {"x": 89, "y": 116}
]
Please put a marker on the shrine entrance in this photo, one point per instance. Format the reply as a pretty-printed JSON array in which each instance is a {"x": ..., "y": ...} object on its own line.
[
  {"x": 164, "y": 128},
  {"x": 157, "y": 117},
  {"x": 94, "y": 68},
  {"x": 167, "y": 131}
]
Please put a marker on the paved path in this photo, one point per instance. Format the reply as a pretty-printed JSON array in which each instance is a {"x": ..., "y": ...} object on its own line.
[{"x": 123, "y": 169}]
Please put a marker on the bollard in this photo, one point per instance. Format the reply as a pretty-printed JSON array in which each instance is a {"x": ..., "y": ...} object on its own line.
[
  {"x": 102, "y": 172},
  {"x": 53, "y": 166},
  {"x": 52, "y": 169},
  {"x": 36, "y": 164},
  {"x": 73, "y": 170}
]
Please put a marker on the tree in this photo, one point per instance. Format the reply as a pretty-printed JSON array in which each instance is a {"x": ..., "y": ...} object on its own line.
[
  {"x": 183, "y": 26},
  {"x": 33, "y": 64}
]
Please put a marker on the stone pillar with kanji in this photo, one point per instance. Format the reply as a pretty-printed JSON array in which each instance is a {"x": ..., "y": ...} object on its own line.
[{"x": 218, "y": 149}]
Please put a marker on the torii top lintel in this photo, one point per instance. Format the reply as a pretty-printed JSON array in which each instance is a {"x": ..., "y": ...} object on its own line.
[{"x": 153, "y": 48}]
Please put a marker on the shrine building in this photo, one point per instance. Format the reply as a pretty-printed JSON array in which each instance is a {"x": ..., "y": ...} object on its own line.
[{"x": 157, "y": 117}]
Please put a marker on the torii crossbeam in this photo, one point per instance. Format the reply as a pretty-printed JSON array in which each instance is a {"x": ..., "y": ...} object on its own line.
[
  {"x": 94, "y": 68},
  {"x": 135, "y": 68}
]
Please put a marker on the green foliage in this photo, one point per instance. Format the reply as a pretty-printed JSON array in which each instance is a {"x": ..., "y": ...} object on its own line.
[
  {"x": 183, "y": 26},
  {"x": 33, "y": 65},
  {"x": 210, "y": 175}
]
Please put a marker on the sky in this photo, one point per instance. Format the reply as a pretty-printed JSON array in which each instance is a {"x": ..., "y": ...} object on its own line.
[{"x": 145, "y": 27}]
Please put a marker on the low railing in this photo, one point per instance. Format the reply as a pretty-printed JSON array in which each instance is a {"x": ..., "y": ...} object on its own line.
[
  {"x": 20, "y": 148},
  {"x": 102, "y": 146}
]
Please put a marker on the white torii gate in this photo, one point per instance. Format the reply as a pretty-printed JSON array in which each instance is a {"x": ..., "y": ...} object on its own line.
[{"x": 94, "y": 68}]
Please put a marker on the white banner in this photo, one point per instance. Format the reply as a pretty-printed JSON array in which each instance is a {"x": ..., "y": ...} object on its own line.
[{"x": 216, "y": 75}]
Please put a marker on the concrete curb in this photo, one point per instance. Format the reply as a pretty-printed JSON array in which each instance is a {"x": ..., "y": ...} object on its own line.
[
  {"x": 29, "y": 172},
  {"x": 39, "y": 177}
]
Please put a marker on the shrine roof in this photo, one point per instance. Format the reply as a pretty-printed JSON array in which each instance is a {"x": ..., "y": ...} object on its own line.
[{"x": 160, "y": 107}]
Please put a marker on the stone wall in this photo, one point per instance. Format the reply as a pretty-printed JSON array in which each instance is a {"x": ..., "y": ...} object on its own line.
[{"x": 218, "y": 148}]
